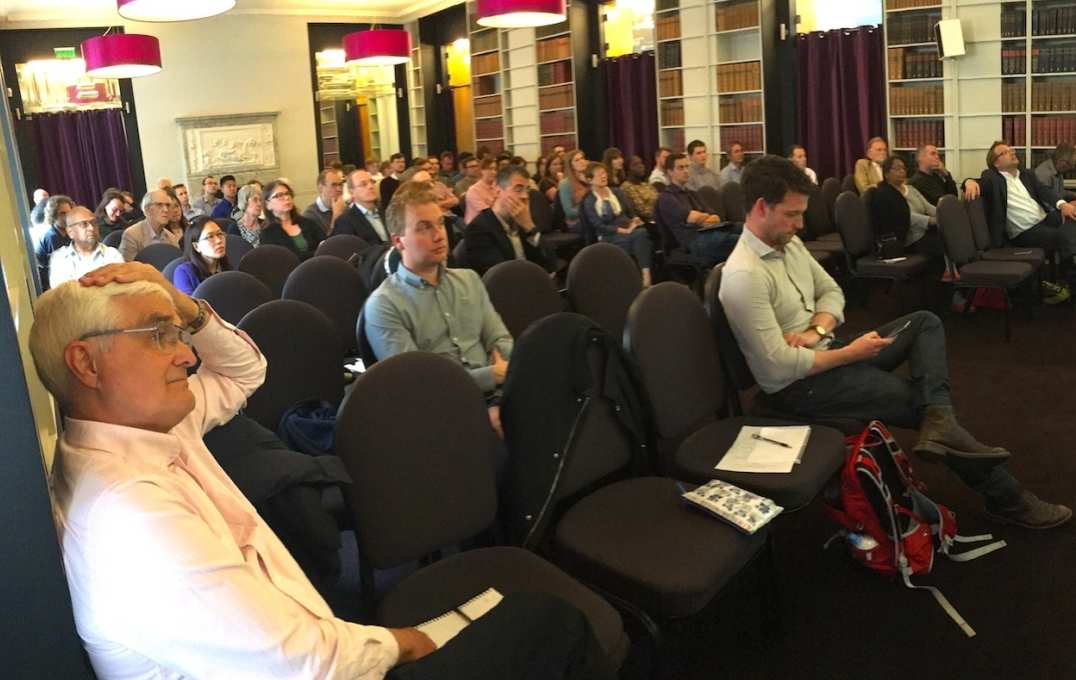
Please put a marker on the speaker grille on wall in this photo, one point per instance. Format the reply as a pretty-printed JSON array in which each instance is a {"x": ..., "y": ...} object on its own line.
[{"x": 950, "y": 38}]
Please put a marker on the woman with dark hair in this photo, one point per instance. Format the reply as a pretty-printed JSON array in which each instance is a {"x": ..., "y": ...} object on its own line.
[
  {"x": 284, "y": 226},
  {"x": 899, "y": 209},
  {"x": 639, "y": 191},
  {"x": 204, "y": 254},
  {"x": 551, "y": 176},
  {"x": 611, "y": 214},
  {"x": 109, "y": 213},
  {"x": 177, "y": 223},
  {"x": 573, "y": 187},
  {"x": 613, "y": 160}
]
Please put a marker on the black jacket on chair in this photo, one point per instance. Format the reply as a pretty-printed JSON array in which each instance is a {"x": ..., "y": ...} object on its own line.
[
  {"x": 487, "y": 245},
  {"x": 889, "y": 212},
  {"x": 354, "y": 222},
  {"x": 995, "y": 195}
]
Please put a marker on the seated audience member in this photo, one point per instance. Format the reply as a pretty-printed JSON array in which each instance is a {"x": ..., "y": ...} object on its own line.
[
  {"x": 391, "y": 181},
  {"x": 657, "y": 175},
  {"x": 56, "y": 209},
  {"x": 363, "y": 218},
  {"x": 284, "y": 226},
  {"x": 130, "y": 213},
  {"x": 1050, "y": 171},
  {"x": 189, "y": 212},
  {"x": 549, "y": 181},
  {"x": 733, "y": 170},
  {"x": 483, "y": 192},
  {"x": 329, "y": 204},
  {"x": 38, "y": 225},
  {"x": 868, "y": 171},
  {"x": 699, "y": 175},
  {"x": 540, "y": 166},
  {"x": 109, "y": 213},
  {"x": 680, "y": 209},
  {"x": 506, "y": 230},
  {"x": 204, "y": 254},
  {"x": 472, "y": 171},
  {"x": 228, "y": 190},
  {"x": 639, "y": 191},
  {"x": 164, "y": 183},
  {"x": 1022, "y": 210},
  {"x": 448, "y": 174},
  {"x": 899, "y": 209},
  {"x": 417, "y": 164},
  {"x": 250, "y": 223},
  {"x": 573, "y": 187},
  {"x": 373, "y": 166},
  {"x": 931, "y": 178},
  {"x": 447, "y": 201},
  {"x": 209, "y": 199},
  {"x": 84, "y": 253},
  {"x": 613, "y": 160},
  {"x": 783, "y": 308},
  {"x": 798, "y": 155},
  {"x": 504, "y": 159},
  {"x": 157, "y": 206},
  {"x": 176, "y": 221},
  {"x": 610, "y": 212},
  {"x": 172, "y": 571}
]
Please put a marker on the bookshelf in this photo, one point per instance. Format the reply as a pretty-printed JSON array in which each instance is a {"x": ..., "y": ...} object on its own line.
[
  {"x": 416, "y": 98},
  {"x": 330, "y": 138},
  {"x": 521, "y": 92},
  {"x": 709, "y": 69},
  {"x": 486, "y": 83},
  {"x": 555, "y": 61}
]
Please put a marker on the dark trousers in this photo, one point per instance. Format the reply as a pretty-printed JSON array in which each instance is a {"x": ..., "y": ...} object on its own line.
[
  {"x": 528, "y": 636},
  {"x": 1052, "y": 235},
  {"x": 637, "y": 244},
  {"x": 715, "y": 245},
  {"x": 868, "y": 390}
]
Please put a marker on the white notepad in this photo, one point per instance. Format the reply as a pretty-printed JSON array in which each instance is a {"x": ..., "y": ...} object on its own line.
[
  {"x": 448, "y": 625},
  {"x": 749, "y": 454}
]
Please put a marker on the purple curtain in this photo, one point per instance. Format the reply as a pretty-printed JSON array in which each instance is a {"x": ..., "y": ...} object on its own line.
[
  {"x": 82, "y": 153},
  {"x": 841, "y": 96},
  {"x": 631, "y": 104}
]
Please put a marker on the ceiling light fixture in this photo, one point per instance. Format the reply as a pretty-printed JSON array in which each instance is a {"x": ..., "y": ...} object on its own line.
[
  {"x": 521, "y": 13},
  {"x": 171, "y": 10},
  {"x": 378, "y": 47},
  {"x": 122, "y": 55}
]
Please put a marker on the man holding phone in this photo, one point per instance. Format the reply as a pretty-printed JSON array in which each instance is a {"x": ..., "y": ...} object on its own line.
[{"x": 783, "y": 308}]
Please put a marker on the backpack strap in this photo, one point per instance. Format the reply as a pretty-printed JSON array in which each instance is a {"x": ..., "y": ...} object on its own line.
[
  {"x": 940, "y": 598},
  {"x": 977, "y": 552}
]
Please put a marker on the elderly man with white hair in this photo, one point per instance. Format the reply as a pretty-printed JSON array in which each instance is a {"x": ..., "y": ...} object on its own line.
[
  {"x": 172, "y": 572},
  {"x": 157, "y": 207}
]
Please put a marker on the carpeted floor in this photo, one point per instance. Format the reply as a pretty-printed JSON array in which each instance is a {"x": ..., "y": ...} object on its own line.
[{"x": 841, "y": 622}]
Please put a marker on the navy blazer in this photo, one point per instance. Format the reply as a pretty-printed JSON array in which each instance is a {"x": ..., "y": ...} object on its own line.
[
  {"x": 487, "y": 245},
  {"x": 354, "y": 222},
  {"x": 995, "y": 195}
]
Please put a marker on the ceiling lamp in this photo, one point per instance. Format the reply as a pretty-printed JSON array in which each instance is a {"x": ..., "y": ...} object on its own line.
[
  {"x": 378, "y": 47},
  {"x": 521, "y": 13},
  {"x": 171, "y": 10},
  {"x": 121, "y": 55}
]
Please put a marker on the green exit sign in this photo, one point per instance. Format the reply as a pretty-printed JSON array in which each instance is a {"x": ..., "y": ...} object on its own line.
[{"x": 64, "y": 52}]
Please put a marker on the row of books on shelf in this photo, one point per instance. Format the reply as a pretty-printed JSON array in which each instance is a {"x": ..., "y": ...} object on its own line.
[
  {"x": 672, "y": 112},
  {"x": 489, "y": 106},
  {"x": 1013, "y": 96},
  {"x": 740, "y": 15},
  {"x": 906, "y": 63},
  {"x": 1014, "y": 23},
  {"x": 1053, "y": 20},
  {"x": 918, "y": 100},
  {"x": 670, "y": 83},
  {"x": 1014, "y": 130},
  {"x": 484, "y": 41},
  {"x": 739, "y": 77},
  {"x": 750, "y": 136},
  {"x": 669, "y": 55},
  {"x": 555, "y": 73},
  {"x": 554, "y": 48},
  {"x": 740, "y": 110},
  {"x": 915, "y": 133},
  {"x": 1057, "y": 95},
  {"x": 559, "y": 97},
  {"x": 489, "y": 129},
  {"x": 911, "y": 28},
  {"x": 1052, "y": 59},
  {"x": 556, "y": 121},
  {"x": 667, "y": 26},
  {"x": 485, "y": 63},
  {"x": 567, "y": 141},
  {"x": 908, "y": 4},
  {"x": 1053, "y": 130}
]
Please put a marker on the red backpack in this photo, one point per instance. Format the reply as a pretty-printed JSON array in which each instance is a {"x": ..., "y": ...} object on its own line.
[{"x": 887, "y": 521}]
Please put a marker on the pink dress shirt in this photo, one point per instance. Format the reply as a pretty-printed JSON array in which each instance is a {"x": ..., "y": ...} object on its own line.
[
  {"x": 479, "y": 197},
  {"x": 172, "y": 572}
]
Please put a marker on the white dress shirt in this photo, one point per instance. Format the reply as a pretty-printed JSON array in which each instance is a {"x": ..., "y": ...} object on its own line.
[
  {"x": 375, "y": 221},
  {"x": 172, "y": 572},
  {"x": 67, "y": 264},
  {"x": 1022, "y": 211},
  {"x": 811, "y": 175}
]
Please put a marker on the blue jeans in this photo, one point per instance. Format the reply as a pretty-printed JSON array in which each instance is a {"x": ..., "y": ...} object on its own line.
[
  {"x": 637, "y": 244},
  {"x": 715, "y": 245},
  {"x": 868, "y": 390}
]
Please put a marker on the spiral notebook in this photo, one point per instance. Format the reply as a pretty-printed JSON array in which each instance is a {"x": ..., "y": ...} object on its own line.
[{"x": 448, "y": 625}]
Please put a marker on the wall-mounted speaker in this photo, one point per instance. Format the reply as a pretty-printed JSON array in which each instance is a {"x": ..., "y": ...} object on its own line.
[{"x": 950, "y": 38}]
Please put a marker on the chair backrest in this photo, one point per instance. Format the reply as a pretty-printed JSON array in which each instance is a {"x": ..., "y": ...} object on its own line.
[
  {"x": 541, "y": 211},
  {"x": 980, "y": 230},
  {"x": 170, "y": 268},
  {"x": 233, "y": 294},
  {"x": 602, "y": 282},
  {"x": 237, "y": 247},
  {"x": 956, "y": 232},
  {"x": 818, "y": 220},
  {"x": 586, "y": 229},
  {"x": 670, "y": 339},
  {"x": 831, "y": 189},
  {"x": 521, "y": 292},
  {"x": 342, "y": 246},
  {"x": 113, "y": 239},
  {"x": 732, "y": 197},
  {"x": 304, "y": 356},
  {"x": 158, "y": 255},
  {"x": 459, "y": 255},
  {"x": 711, "y": 198},
  {"x": 856, "y": 233},
  {"x": 271, "y": 265},
  {"x": 849, "y": 184},
  {"x": 421, "y": 458},
  {"x": 732, "y": 359},
  {"x": 334, "y": 287},
  {"x": 366, "y": 350}
]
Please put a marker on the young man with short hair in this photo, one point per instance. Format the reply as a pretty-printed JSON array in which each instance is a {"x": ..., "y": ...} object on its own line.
[
  {"x": 699, "y": 175},
  {"x": 229, "y": 189},
  {"x": 209, "y": 199},
  {"x": 329, "y": 205},
  {"x": 684, "y": 214}
]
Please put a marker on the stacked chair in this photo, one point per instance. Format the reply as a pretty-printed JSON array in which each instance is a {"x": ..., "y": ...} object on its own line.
[
  {"x": 521, "y": 292},
  {"x": 335, "y": 288},
  {"x": 158, "y": 255},
  {"x": 233, "y": 294},
  {"x": 271, "y": 265},
  {"x": 602, "y": 282}
]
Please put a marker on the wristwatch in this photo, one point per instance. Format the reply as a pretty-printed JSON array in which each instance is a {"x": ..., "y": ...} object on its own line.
[
  {"x": 200, "y": 320},
  {"x": 821, "y": 330}
]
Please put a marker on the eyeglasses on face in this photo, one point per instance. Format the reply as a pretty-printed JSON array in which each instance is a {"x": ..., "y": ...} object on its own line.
[
  {"x": 213, "y": 236},
  {"x": 166, "y": 335},
  {"x": 280, "y": 194},
  {"x": 160, "y": 206}
]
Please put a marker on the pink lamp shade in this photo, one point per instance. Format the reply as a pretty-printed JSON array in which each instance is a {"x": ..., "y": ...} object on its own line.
[
  {"x": 378, "y": 47},
  {"x": 122, "y": 55},
  {"x": 521, "y": 13},
  {"x": 171, "y": 10}
]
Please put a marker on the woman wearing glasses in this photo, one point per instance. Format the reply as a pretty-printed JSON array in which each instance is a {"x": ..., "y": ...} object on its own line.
[
  {"x": 204, "y": 254},
  {"x": 284, "y": 226}
]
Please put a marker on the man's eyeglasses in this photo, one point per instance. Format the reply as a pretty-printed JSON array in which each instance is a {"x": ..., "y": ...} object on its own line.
[
  {"x": 80, "y": 223},
  {"x": 166, "y": 335},
  {"x": 160, "y": 206}
]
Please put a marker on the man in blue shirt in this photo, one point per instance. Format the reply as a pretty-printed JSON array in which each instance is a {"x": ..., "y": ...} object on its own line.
[
  {"x": 229, "y": 189},
  {"x": 56, "y": 209}
]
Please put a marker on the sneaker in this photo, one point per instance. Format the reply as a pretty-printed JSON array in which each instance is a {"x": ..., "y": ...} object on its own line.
[
  {"x": 1031, "y": 512},
  {"x": 1053, "y": 294}
]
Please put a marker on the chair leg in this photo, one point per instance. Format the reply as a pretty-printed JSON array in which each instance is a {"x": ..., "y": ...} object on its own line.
[
  {"x": 1005, "y": 312},
  {"x": 769, "y": 596}
]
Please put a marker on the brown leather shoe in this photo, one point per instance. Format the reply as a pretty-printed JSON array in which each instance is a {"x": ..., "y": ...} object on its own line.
[
  {"x": 941, "y": 435},
  {"x": 1031, "y": 512}
]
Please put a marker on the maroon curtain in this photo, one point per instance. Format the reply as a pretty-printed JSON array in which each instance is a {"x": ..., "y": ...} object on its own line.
[
  {"x": 82, "y": 153},
  {"x": 631, "y": 104},
  {"x": 841, "y": 96}
]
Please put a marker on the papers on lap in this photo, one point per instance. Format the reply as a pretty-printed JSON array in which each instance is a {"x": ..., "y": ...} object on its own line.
[
  {"x": 742, "y": 509},
  {"x": 448, "y": 625},
  {"x": 751, "y": 453}
]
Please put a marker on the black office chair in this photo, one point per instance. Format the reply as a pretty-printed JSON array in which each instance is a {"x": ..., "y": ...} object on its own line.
[
  {"x": 342, "y": 246},
  {"x": 849, "y": 184},
  {"x": 271, "y": 265},
  {"x": 170, "y": 268},
  {"x": 233, "y": 294},
  {"x": 711, "y": 198},
  {"x": 1036, "y": 257},
  {"x": 236, "y": 247},
  {"x": 407, "y": 504},
  {"x": 114, "y": 238},
  {"x": 602, "y": 282},
  {"x": 831, "y": 189},
  {"x": 158, "y": 255},
  {"x": 521, "y": 292},
  {"x": 678, "y": 259},
  {"x": 732, "y": 197},
  {"x": 334, "y": 287}
]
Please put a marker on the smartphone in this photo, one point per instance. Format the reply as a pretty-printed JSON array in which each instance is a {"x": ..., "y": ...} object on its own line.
[
  {"x": 1022, "y": 252},
  {"x": 897, "y": 331}
]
